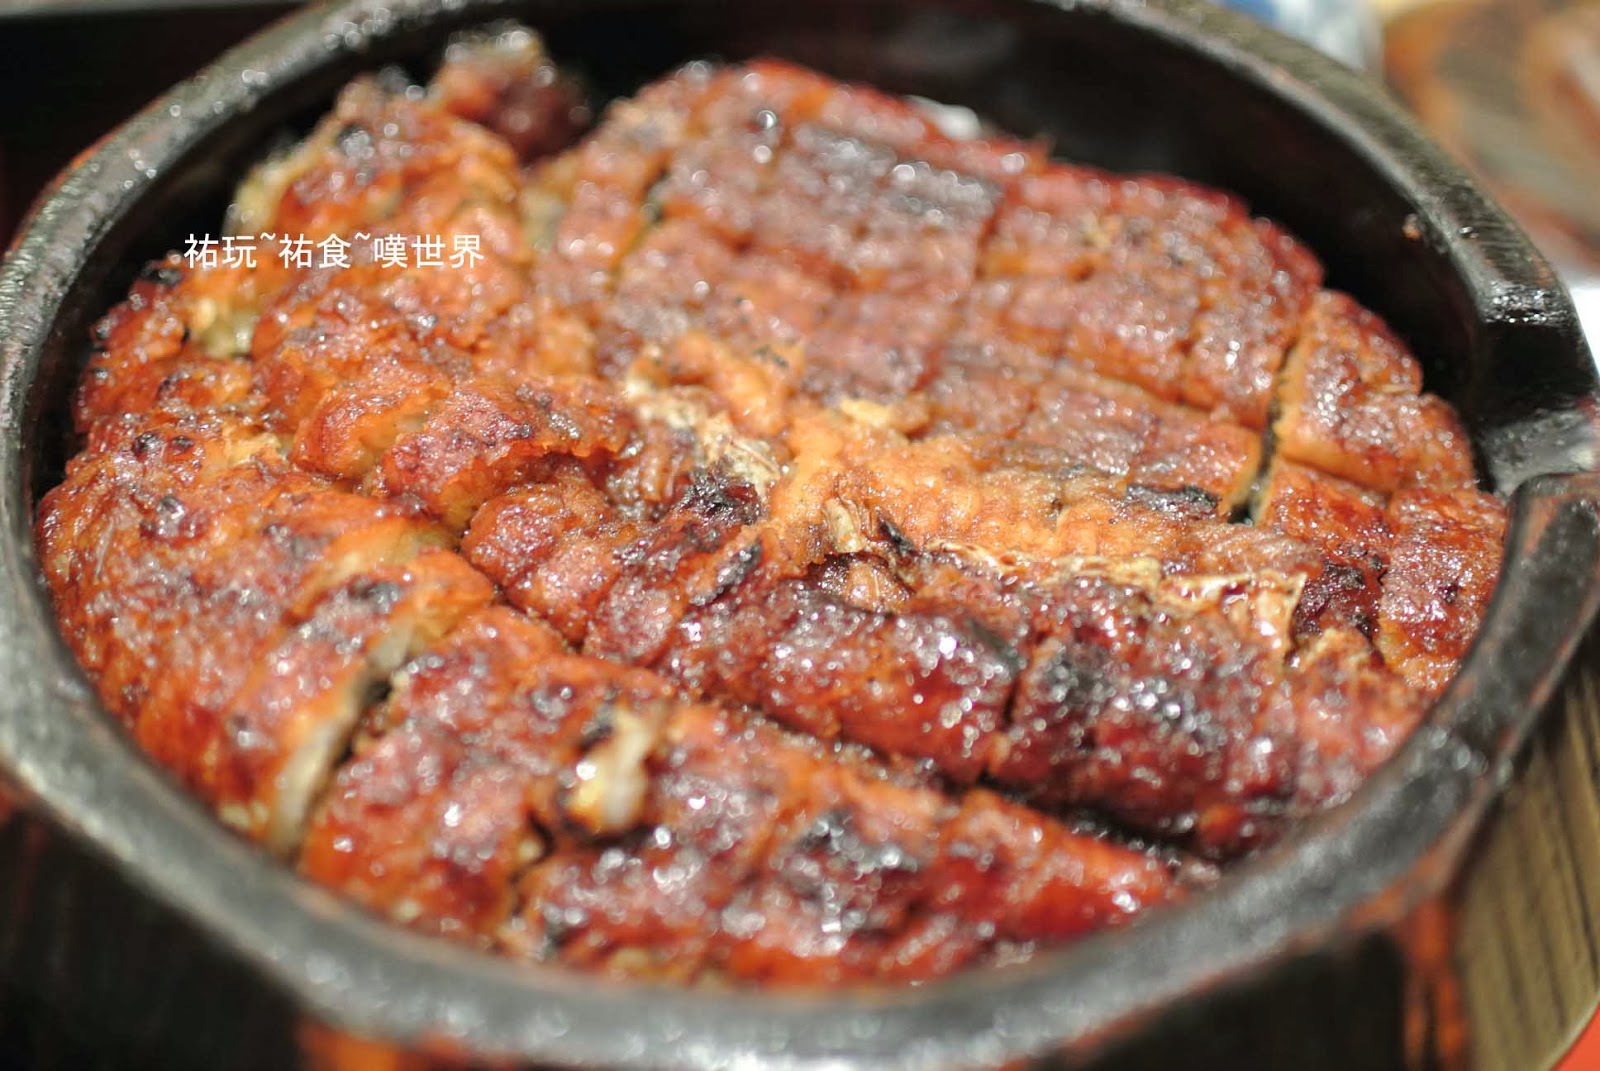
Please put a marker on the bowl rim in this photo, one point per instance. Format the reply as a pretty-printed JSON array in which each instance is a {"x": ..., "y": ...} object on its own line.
[{"x": 342, "y": 966}]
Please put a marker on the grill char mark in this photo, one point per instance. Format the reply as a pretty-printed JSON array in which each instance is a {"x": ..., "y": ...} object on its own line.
[{"x": 463, "y": 808}]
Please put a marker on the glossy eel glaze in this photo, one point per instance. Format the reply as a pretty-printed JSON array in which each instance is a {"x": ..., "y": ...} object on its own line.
[{"x": 800, "y": 547}]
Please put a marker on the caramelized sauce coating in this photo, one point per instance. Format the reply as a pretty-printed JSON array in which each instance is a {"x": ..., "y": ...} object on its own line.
[{"x": 799, "y": 547}]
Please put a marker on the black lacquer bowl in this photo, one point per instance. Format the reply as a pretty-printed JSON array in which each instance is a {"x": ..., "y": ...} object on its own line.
[{"x": 169, "y": 943}]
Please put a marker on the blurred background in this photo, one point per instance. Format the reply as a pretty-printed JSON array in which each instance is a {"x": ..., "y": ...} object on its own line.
[{"x": 1512, "y": 87}]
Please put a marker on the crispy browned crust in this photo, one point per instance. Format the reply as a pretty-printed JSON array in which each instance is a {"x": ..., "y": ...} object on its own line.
[
  {"x": 1345, "y": 521},
  {"x": 1442, "y": 568},
  {"x": 669, "y": 834},
  {"x": 803, "y": 548},
  {"x": 1351, "y": 406}
]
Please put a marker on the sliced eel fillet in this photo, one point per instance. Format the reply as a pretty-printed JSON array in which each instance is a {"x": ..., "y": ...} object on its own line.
[
  {"x": 1046, "y": 673},
  {"x": 799, "y": 545},
  {"x": 236, "y": 616},
  {"x": 1351, "y": 405},
  {"x": 1442, "y": 570},
  {"x": 576, "y": 810}
]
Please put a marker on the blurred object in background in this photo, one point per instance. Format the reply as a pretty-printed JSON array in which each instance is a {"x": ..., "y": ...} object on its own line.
[
  {"x": 1347, "y": 30},
  {"x": 1512, "y": 87}
]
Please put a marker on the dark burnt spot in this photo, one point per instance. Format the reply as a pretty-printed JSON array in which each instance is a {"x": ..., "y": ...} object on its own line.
[
  {"x": 550, "y": 705},
  {"x": 354, "y": 142},
  {"x": 598, "y": 727},
  {"x": 1187, "y": 501},
  {"x": 768, "y": 355},
  {"x": 161, "y": 274},
  {"x": 720, "y": 498},
  {"x": 1342, "y": 594},
  {"x": 834, "y": 836},
  {"x": 999, "y": 649},
  {"x": 382, "y": 595},
  {"x": 145, "y": 444},
  {"x": 898, "y": 541},
  {"x": 559, "y": 925},
  {"x": 1068, "y": 687},
  {"x": 733, "y": 573}
]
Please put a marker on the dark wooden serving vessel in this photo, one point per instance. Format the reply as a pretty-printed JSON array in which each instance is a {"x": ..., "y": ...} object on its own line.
[{"x": 1444, "y": 917}]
